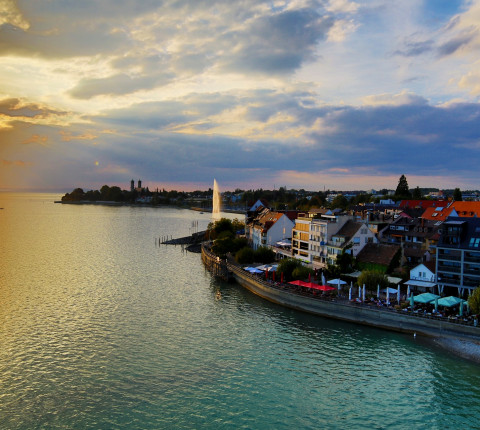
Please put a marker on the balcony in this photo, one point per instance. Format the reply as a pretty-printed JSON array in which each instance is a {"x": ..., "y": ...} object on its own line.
[
  {"x": 450, "y": 269},
  {"x": 449, "y": 257}
]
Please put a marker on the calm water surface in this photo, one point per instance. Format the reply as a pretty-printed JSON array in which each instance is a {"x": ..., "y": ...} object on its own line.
[{"x": 100, "y": 327}]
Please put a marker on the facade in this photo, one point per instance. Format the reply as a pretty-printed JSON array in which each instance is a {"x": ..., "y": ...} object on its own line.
[
  {"x": 417, "y": 237},
  {"x": 352, "y": 237},
  {"x": 311, "y": 235},
  {"x": 458, "y": 255},
  {"x": 422, "y": 278},
  {"x": 269, "y": 228}
]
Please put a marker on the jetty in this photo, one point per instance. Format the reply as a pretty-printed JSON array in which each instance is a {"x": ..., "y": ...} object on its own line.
[
  {"x": 191, "y": 243},
  {"x": 337, "y": 308}
]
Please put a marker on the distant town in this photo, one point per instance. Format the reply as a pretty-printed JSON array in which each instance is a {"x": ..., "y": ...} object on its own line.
[{"x": 278, "y": 199}]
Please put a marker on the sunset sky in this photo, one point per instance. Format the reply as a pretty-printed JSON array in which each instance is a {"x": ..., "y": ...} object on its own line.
[{"x": 307, "y": 94}]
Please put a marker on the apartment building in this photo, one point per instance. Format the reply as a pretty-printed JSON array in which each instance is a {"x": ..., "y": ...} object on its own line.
[{"x": 458, "y": 255}]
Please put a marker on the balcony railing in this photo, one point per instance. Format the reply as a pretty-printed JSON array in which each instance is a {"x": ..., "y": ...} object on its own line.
[{"x": 444, "y": 268}]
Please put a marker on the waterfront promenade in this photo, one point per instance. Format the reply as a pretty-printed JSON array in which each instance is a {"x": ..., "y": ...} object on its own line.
[{"x": 343, "y": 309}]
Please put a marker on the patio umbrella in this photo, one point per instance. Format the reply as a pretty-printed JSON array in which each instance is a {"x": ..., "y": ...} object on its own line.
[
  {"x": 363, "y": 298},
  {"x": 425, "y": 298},
  {"x": 325, "y": 288},
  {"x": 436, "y": 304},
  {"x": 378, "y": 291},
  {"x": 336, "y": 281},
  {"x": 449, "y": 301},
  {"x": 359, "y": 291},
  {"x": 408, "y": 290},
  {"x": 388, "y": 296},
  {"x": 398, "y": 294},
  {"x": 350, "y": 293}
]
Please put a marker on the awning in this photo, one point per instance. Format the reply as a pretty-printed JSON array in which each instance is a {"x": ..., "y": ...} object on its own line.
[
  {"x": 394, "y": 280},
  {"x": 416, "y": 283}
]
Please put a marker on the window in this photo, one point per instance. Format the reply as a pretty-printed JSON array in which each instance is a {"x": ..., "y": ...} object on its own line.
[{"x": 356, "y": 240}]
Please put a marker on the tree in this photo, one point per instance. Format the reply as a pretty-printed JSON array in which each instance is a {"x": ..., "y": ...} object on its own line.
[
  {"x": 346, "y": 261},
  {"x": 287, "y": 266},
  {"x": 402, "y": 190},
  {"x": 474, "y": 301},
  {"x": 457, "y": 195},
  {"x": 371, "y": 279},
  {"x": 302, "y": 272},
  {"x": 222, "y": 225},
  {"x": 417, "y": 193},
  {"x": 264, "y": 255},
  {"x": 339, "y": 202},
  {"x": 245, "y": 255}
]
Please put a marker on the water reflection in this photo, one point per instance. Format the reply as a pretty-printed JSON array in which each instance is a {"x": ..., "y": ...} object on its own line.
[{"x": 102, "y": 328}]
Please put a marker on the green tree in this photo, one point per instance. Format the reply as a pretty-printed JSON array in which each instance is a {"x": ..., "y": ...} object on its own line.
[
  {"x": 339, "y": 202},
  {"x": 245, "y": 255},
  {"x": 287, "y": 266},
  {"x": 402, "y": 190},
  {"x": 302, "y": 272},
  {"x": 417, "y": 193},
  {"x": 264, "y": 255},
  {"x": 345, "y": 260},
  {"x": 457, "y": 195},
  {"x": 474, "y": 301},
  {"x": 371, "y": 279},
  {"x": 214, "y": 229}
]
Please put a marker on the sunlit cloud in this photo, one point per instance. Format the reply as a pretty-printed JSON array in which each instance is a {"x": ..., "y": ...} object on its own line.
[{"x": 310, "y": 93}]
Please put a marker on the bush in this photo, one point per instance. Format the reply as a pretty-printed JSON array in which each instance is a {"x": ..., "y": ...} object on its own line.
[
  {"x": 264, "y": 255},
  {"x": 474, "y": 301},
  {"x": 287, "y": 266},
  {"x": 302, "y": 272},
  {"x": 245, "y": 255},
  {"x": 371, "y": 279}
]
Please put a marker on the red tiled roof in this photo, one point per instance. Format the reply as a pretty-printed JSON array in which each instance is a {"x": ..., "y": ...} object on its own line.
[
  {"x": 467, "y": 209},
  {"x": 435, "y": 214}
]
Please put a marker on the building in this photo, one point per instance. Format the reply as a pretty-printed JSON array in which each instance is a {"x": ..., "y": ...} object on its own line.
[
  {"x": 458, "y": 255},
  {"x": 268, "y": 228},
  {"x": 422, "y": 278},
  {"x": 351, "y": 238},
  {"x": 310, "y": 236}
]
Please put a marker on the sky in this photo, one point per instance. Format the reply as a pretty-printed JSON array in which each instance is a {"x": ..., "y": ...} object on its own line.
[{"x": 313, "y": 94}]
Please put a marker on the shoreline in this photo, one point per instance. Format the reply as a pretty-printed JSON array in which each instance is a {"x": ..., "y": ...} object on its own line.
[
  {"x": 467, "y": 349},
  {"x": 461, "y": 340}
]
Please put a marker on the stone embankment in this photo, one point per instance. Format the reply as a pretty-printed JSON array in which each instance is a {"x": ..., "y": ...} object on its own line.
[{"x": 360, "y": 313}]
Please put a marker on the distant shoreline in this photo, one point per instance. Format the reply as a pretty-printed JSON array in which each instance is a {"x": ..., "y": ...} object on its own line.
[{"x": 149, "y": 205}]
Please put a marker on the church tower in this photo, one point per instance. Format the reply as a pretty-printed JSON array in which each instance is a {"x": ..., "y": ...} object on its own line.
[{"x": 132, "y": 185}]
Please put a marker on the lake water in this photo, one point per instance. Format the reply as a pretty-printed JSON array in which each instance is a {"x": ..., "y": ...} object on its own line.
[{"x": 102, "y": 328}]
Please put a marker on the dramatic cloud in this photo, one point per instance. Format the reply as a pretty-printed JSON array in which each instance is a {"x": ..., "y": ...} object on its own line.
[{"x": 303, "y": 93}]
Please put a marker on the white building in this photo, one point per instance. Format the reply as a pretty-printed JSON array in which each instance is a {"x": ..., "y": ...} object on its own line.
[
  {"x": 269, "y": 228},
  {"x": 422, "y": 278}
]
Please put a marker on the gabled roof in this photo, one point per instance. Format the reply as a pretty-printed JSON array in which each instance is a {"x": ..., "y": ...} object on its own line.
[
  {"x": 349, "y": 229},
  {"x": 467, "y": 209},
  {"x": 438, "y": 213},
  {"x": 378, "y": 253}
]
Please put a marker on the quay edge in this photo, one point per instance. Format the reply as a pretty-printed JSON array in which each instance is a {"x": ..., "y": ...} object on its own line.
[{"x": 399, "y": 321}]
